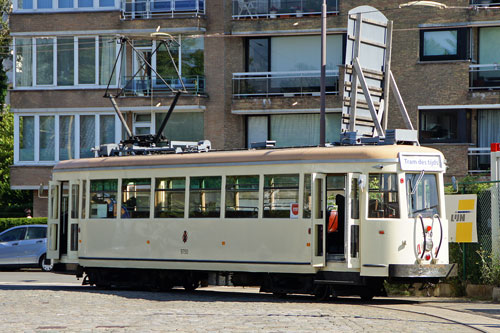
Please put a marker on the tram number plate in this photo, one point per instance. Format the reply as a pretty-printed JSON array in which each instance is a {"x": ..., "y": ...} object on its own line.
[{"x": 184, "y": 251}]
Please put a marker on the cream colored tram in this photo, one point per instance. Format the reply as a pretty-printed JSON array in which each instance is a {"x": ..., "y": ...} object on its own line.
[{"x": 324, "y": 221}]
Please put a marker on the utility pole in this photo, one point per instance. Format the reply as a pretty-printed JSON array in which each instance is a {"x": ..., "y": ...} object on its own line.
[{"x": 322, "y": 115}]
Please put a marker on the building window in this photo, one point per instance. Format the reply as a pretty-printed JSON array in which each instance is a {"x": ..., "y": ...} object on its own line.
[
  {"x": 86, "y": 60},
  {"x": 242, "y": 196},
  {"x": 169, "y": 197},
  {"x": 87, "y": 136},
  {"x": 204, "y": 197},
  {"x": 66, "y": 137},
  {"x": 103, "y": 198},
  {"x": 292, "y": 129},
  {"x": 182, "y": 126},
  {"x": 107, "y": 129},
  {"x": 444, "y": 44},
  {"x": 47, "y": 138},
  {"x": 280, "y": 193},
  {"x": 65, "y": 62},
  {"x": 24, "y": 62},
  {"x": 44, "y": 61},
  {"x": 444, "y": 126},
  {"x": 27, "y": 138},
  {"x": 135, "y": 198}
]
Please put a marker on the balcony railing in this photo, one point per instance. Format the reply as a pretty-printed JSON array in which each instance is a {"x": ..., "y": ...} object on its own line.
[
  {"x": 143, "y": 9},
  {"x": 479, "y": 159},
  {"x": 485, "y": 76},
  {"x": 485, "y": 3},
  {"x": 283, "y": 83},
  {"x": 275, "y": 8},
  {"x": 195, "y": 85}
]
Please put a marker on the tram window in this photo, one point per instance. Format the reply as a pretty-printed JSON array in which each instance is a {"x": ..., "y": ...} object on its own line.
[
  {"x": 354, "y": 198},
  {"x": 242, "y": 196},
  {"x": 84, "y": 197},
  {"x": 307, "y": 196},
  {"x": 383, "y": 196},
  {"x": 136, "y": 194},
  {"x": 103, "y": 198},
  {"x": 54, "y": 199},
  {"x": 169, "y": 197},
  {"x": 422, "y": 195},
  {"x": 204, "y": 197},
  {"x": 74, "y": 200},
  {"x": 281, "y": 192}
]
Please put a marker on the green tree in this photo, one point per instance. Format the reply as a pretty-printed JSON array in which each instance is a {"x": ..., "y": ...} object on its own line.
[{"x": 12, "y": 203}]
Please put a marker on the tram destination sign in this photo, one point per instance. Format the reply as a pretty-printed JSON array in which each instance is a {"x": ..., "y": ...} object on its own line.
[{"x": 413, "y": 162}]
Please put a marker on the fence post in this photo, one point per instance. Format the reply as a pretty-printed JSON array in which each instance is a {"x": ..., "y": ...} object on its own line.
[{"x": 495, "y": 176}]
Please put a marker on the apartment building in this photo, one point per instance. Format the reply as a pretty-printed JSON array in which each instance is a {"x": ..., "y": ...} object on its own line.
[{"x": 251, "y": 68}]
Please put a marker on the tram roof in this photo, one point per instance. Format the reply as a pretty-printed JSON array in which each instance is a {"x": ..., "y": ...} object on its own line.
[{"x": 339, "y": 153}]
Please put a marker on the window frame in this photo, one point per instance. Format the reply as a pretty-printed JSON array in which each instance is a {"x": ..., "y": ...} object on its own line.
[
  {"x": 463, "y": 119},
  {"x": 462, "y": 45}
]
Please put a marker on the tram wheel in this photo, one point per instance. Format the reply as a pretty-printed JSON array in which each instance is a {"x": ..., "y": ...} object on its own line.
[
  {"x": 191, "y": 285},
  {"x": 322, "y": 293}
]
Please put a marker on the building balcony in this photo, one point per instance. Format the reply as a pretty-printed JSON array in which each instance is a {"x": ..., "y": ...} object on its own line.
[
  {"x": 485, "y": 3},
  {"x": 479, "y": 160},
  {"x": 283, "y": 83},
  {"x": 195, "y": 85},
  {"x": 145, "y": 9},
  {"x": 273, "y": 9},
  {"x": 485, "y": 77}
]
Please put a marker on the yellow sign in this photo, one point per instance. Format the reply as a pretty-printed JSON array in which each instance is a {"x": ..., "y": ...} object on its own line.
[{"x": 461, "y": 214}]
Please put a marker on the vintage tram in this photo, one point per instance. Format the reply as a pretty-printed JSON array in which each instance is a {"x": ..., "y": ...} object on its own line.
[{"x": 319, "y": 220}]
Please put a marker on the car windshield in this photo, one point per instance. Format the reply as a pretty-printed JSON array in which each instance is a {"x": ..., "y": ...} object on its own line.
[{"x": 422, "y": 194}]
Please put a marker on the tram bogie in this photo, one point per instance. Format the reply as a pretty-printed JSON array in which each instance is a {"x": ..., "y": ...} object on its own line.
[{"x": 323, "y": 221}]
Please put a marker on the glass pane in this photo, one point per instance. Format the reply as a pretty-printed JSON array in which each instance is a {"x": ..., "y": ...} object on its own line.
[
  {"x": 106, "y": 3},
  {"x": 422, "y": 195},
  {"x": 65, "y": 3},
  {"x": 192, "y": 57},
  {"x": 439, "y": 125},
  {"x": 26, "y": 138},
  {"x": 242, "y": 196},
  {"x": 84, "y": 198},
  {"x": 437, "y": 43},
  {"x": 107, "y": 57},
  {"x": 47, "y": 138},
  {"x": 24, "y": 62},
  {"x": 169, "y": 197},
  {"x": 36, "y": 233},
  {"x": 85, "y": 3},
  {"x": 87, "y": 136},
  {"x": 107, "y": 129},
  {"x": 183, "y": 126},
  {"x": 66, "y": 137},
  {"x": 280, "y": 193},
  {"x": 307, "y": 196},
  {"x": 258, "y": 55},
  {"x": 135, "y": 198},
  {"x": 25, "y": 4},
  {"x": 204, "y": 197},
  {"x": 354, "y": 199},
  {"x": 65, "y": 61},
  {"x": 54, "y": 199},
  {"x": 44, "y": 4},
  {"x": 86, "y": 60},
  {"x": 75, "y": 197},
  {"x": 257, "y": 129},
  {"x": 383, "y": 196},
  {"x": 164, "y": 64},
  {"x": 44, "y": 61},
  {"x": 103, "y": 198}
]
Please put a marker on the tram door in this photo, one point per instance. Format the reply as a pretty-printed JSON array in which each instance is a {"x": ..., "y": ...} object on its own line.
[
  {"x": 335, "y": 219},
  {"x": 53, "y": 221},
  {"x": 318, "y": 220}
]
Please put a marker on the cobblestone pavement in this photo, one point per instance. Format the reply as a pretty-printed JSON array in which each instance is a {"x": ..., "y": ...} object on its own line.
[{"x": 36, "y": 307}]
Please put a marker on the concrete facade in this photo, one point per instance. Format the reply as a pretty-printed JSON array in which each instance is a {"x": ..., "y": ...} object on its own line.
[{"x": 424, "y": 85}]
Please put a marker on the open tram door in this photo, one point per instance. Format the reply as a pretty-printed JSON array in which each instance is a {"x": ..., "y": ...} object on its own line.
[
  {"x": 53, "y": 220},
  {"x": 71, "y": 220},
  {"x": 354, "y": 180},
  {"x": 318, "y": 222}
]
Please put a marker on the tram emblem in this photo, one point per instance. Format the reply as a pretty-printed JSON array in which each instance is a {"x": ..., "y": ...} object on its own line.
[{"x": 185, "y": 236}]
